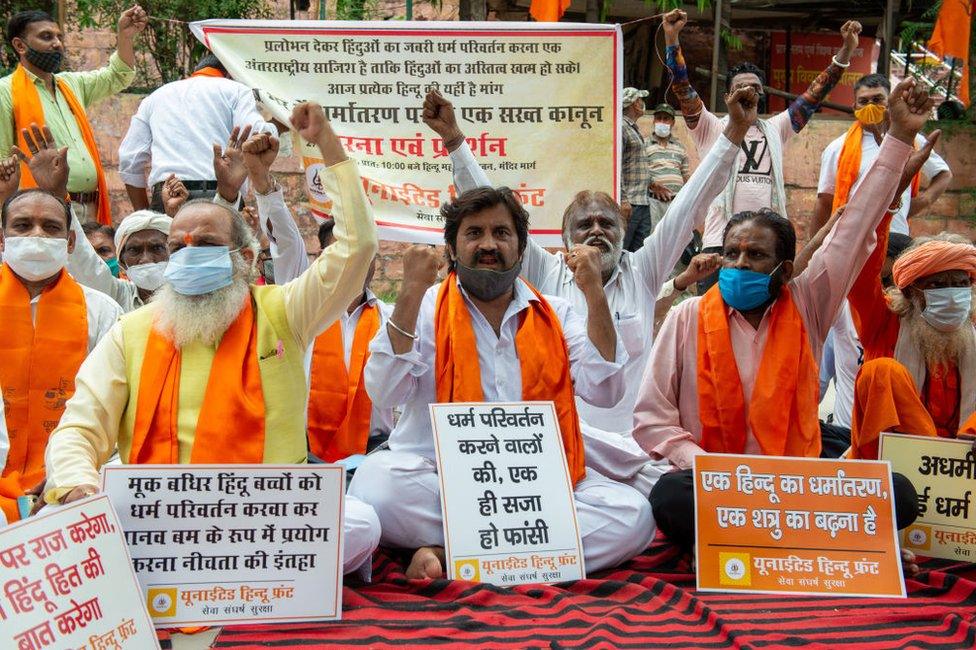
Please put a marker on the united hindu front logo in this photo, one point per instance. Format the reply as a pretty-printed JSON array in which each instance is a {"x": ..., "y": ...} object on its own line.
[
  {"x": 734, "y": 569},
  {"x": 161, "y": 601},
  {"x": 467, "y": 570}
]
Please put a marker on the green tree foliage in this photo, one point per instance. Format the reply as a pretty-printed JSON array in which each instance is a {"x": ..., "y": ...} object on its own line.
[{"x": 167, "y": 50}]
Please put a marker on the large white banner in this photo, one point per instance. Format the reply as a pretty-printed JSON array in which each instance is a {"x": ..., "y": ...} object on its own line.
[
  {"x": 233, "y": 544},
  {"x": 506, "y": 496},
  {"x": 539, "y": 105}
]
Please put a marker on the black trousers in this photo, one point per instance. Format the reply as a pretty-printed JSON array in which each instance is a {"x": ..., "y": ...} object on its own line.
[
  {"x": 834, "y": 440},
  {"x": 638, "y": 228},
  {"x": 673, "y": 505}
]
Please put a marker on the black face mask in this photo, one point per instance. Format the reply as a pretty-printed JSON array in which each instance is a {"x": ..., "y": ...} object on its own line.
[
  {"x": 488, "y": 284},
  {"x": 46, "y": 61}
]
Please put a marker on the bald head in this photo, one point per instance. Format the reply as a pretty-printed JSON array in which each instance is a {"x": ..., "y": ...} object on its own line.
[{"x": 202, "y": 222}]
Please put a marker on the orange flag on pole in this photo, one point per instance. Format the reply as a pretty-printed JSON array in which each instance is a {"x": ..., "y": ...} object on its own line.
[
  {"x": 951, "y": 38},
  {"x": 548, "y": 11}
]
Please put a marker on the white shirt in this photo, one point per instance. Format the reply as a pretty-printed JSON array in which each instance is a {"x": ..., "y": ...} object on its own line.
[
  {"x": 408, "y": 379},
  {"x": 842, "y": 359},
  {"x": 830, "y": 158},
  {"x": 177, "y": 125},
  {"x": 633, "y": 287}
]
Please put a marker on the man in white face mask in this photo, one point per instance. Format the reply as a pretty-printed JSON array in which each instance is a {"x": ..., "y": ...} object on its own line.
[
  {"x": 668, "y": 162},
  {"x": 919, "y": 374},
  {"x": 212, "y": 370},
  {"x": 50, "y": 324}
]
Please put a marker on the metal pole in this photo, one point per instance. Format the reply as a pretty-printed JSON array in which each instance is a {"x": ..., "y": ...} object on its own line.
[
  {"x": 716, "y": 43},
  {"x": 884, "y": 57},
  {"x": 409, "y": 9}
]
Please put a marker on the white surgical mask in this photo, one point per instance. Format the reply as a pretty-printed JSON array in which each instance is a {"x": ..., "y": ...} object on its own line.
[
  {"x": 948, "y": 308},
  {"x": 35, "y": 258},
  {"x": 147, "y": 276},
  {"x": 662, "y": 130}
]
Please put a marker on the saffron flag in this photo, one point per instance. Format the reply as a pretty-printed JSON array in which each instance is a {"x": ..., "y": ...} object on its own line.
[
  {"x": 951, "y": 38},
  {"x": 548, "y": 11}
]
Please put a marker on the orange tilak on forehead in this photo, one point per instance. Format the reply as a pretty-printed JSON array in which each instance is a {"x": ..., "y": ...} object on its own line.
[{"x": 187, "y": 239}]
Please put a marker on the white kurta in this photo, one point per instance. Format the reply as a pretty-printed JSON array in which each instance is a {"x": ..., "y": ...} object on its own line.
[
  {"x": 632, "y": 292},
  {"x": 402, "y": 484}
]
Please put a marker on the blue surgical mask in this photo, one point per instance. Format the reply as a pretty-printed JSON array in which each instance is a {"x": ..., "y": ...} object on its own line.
[
  {"x": 742, "y": 289},
  {"x": 948, "y": 308},
  {"x": 196, "y": 270}
]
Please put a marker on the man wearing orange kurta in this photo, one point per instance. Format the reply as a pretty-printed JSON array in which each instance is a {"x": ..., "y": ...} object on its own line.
[
  {"x": 919, "y": 342},
  {"x": 735, "y": 371}
]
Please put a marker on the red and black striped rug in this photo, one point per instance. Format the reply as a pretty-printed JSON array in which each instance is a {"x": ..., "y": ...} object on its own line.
[{"x": 648, "y": 603}]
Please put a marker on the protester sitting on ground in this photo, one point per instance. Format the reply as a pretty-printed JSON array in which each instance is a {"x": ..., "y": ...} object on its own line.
[
  {"x": 172, "y": 135},
  {"x": 845, "y": 160},
  {"x": 919, "y": 374},
  {"x": 735, "y": 371},
  {"x": 841, "y": 361},
  {"x": 212, "y": 370},
  {"x": 342, "y": 421},
  {"x": 484, "y": 334},
  {"x": 102, "y": 240},
  {"x": 38, "y": 93},
  {"x": 592, "y": 231},
  {"x": 50, "y": 324},
  {"x": 758, "y": 180}
]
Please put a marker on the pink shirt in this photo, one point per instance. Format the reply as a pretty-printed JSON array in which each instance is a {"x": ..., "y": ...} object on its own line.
[
  {"x": 754, "y": 168},
  {"x": 666, "y": 422}
]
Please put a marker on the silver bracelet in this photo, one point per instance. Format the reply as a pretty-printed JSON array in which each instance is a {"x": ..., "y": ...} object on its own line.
[
  {"x": 401, "y": 330},
  {"x": 839, "y": 64}
]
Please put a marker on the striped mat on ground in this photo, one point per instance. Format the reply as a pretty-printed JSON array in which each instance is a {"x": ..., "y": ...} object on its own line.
[{"x": 650, "y": 602}]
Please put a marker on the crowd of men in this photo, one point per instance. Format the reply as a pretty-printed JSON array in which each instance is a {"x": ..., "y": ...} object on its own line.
[{"x": 140, "y": 344}]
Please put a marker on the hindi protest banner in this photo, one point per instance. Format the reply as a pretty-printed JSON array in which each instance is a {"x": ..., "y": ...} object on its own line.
[
  {"x": 233, "y": 544},
  {"x": 539, "y": 104},
  {"x": 942, "y": 471},
  {"x": 67, "y": 582},
  {"x": 506, "y": 495},
  {"x": 810, "y": 54},
  {"x": 768, "y": 524}
]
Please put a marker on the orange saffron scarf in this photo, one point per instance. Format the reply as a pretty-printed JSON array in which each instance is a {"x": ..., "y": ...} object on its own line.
[
  {"x": 783, "y": 411},
  {"x": 543, "y": 358},
  {"x": 339, "y": 409},
  {"x": 38, "y": 363},
  {"x": 230, "y": 427},
  {"x": 28, "y": 109},
  {"x": 209, "y": 71},
  {"x": 849, "y": 167}
]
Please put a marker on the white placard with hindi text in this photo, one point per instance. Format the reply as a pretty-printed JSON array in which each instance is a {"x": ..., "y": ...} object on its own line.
[
  {"x": 506, "y": 495},
  {"x": 233, "y": 544},
  {"x": 66, "y": 582}
]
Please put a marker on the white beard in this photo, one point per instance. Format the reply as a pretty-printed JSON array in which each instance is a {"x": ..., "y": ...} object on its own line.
[{"x": 185, "y": 319}]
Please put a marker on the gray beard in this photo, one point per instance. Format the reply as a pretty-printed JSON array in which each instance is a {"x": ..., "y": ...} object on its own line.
[
  {"x": 186, "y": 319},
  {"x": 938, "y": 348}
]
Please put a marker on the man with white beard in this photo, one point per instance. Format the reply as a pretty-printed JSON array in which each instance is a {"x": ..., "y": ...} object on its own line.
[
  {"x": 211, "y": 371},
  {"x": 919, "y": 375},
  {"x": 593, "y": 227}
]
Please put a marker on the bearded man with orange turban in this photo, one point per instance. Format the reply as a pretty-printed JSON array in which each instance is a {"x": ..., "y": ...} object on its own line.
[{"x": 919, "y": 341}]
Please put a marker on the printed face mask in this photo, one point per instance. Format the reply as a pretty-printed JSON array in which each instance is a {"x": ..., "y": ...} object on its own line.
[
  {"x": 35, "y": 258},
  {"x": 948, "y": 308},
  {"x": 46, "y": 61},
  {"x": 196, "y": 270},
  {"x": 870, "y": 114}
]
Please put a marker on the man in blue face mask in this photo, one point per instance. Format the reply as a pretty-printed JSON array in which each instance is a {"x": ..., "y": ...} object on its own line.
[
  {"x": 735, "y": 370},
  {"x": 212, "y": 369},
  {"x": 919, "y": 375}
]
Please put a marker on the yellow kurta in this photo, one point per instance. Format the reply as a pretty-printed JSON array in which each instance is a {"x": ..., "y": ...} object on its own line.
[{"x": 99, "y": 416}]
